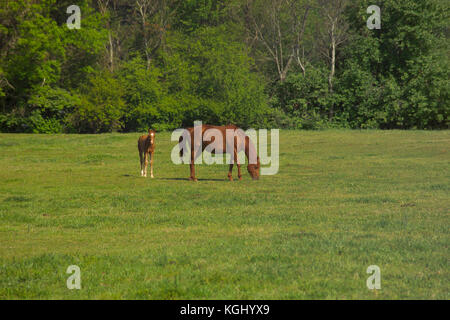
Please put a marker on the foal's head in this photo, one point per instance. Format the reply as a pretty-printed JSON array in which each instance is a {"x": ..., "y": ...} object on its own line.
[
  {"x": 253, "y": 169},
  {"x": 151, "y": 136}
]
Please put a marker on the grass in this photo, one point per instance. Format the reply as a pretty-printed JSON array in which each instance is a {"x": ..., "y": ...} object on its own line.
[{"x": 342, "y": 200}]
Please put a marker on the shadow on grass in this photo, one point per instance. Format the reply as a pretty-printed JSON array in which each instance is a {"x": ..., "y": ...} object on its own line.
[
  {"x": 187, "y": 179},
  {"x": 173, "y": 179}
]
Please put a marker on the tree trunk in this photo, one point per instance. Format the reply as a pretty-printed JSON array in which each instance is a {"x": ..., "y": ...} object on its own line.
[
  {"x": 149, "y": 58},
  {"x": 332, "y": 71},
  {"x": 285, "y": 69},
  {"x": 111, "y": 52}
]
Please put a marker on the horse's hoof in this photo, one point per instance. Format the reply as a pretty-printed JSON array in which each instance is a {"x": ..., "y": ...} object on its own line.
[
  {"x": 240, "y": 178},
  {"x": 230, "y": 178},
  {"x": 193, "y": 179}
]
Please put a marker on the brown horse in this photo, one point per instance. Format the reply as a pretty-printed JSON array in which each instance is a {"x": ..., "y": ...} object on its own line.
[
  {"x": 235, "y": 143},
  {"x": 146, "y": 147}
]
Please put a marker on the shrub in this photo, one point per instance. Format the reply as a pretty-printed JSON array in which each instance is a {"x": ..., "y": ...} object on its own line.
[{"x": 102, "y": 106}]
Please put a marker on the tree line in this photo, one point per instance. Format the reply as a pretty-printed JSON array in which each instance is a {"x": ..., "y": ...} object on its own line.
[{"x": 301, "y": 64}]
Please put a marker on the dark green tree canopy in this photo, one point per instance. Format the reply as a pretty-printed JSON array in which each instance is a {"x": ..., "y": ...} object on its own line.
[{"x": 305, "y": 64}]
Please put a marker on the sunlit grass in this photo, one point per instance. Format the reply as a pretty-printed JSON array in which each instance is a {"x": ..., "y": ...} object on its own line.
[{"x": 342, "y": 200}]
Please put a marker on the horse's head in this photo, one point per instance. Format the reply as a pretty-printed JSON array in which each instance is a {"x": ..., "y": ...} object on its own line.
[
  {"x": 253, "y": 169},
  {"x": 151, "y": 136}
]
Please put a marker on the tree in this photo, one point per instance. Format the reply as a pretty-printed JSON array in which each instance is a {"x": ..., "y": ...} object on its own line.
[
  {"x": 407, "y": 60},
  {"x": 154, "y": 17},
  {"x": 211, "y": 76},
  {"x": 102, "y": 106},
  {"x": 333, "y": 36},
  {"x": 278, "y": 26}
]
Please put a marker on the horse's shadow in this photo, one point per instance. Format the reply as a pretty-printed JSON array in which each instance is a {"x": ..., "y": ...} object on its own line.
[
  {"x": 173, "y": 179},
  {"x": 187, "y": 179}
]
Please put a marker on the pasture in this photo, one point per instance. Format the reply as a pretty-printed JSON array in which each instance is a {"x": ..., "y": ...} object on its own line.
[{"x": 342, "y": 201}]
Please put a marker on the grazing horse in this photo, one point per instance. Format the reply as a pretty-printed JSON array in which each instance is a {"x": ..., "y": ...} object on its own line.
[
  {"x": 234, "y": 143},
  {"x": 146, "y": 147}
]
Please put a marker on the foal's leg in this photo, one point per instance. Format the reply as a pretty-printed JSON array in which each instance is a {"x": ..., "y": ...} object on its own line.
[
  {"x": 141, "y": 160},
  {"x": 145, "y": 163},
  {"x": 151, "y": 165}
]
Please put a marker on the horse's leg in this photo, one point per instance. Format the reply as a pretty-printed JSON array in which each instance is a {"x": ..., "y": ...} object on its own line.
[
  {"x": 230, "y": 171},
  {"x": 151, "y": 165},
  {"x": 145, "y": 163},
  {"x": 236, "y": 160},
  {"x": 192, "y": 166},
  {"x": 194, "y": 155}
]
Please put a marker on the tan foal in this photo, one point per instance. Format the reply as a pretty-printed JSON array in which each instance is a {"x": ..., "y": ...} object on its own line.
[{"x": 146, "y": 147}]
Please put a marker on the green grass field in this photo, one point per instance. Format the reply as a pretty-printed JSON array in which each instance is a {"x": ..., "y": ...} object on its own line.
[{"x": 342, "y": 200}]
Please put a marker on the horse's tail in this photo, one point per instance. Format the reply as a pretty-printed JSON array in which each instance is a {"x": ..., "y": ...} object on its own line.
[{"x": 182, "y": 142}]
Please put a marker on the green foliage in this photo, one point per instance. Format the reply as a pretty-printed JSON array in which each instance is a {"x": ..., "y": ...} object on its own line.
[
  {"x": 197, "y": 60},
  {"x": 143, "y": 93},
  {"x": 52, "y": 109},
  {"x": 41, "y": 57},
  {"x": 305, "y": 98},
  {"x": 399, "y": 74},
  {"x": 83, "y": 47},
  {"x": 216, "y": 71},
  {"x": 40, "y": 124},
  {"x": 38, "y": 53},
  {"x": 194, "y": 14},
  {"x": 102, "y": 105},
  {"x": 48, "y": 110}
]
